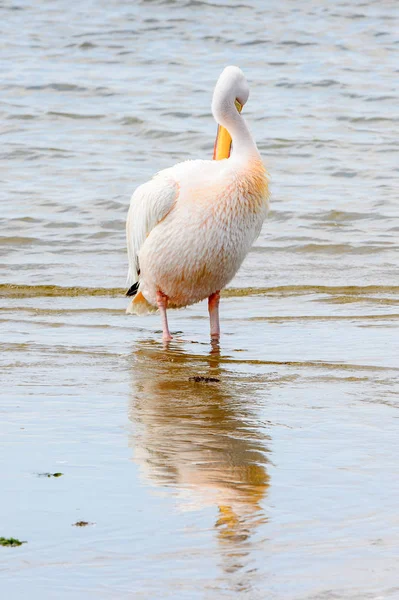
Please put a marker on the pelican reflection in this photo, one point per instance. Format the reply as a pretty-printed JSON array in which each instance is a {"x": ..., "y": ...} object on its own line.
[{"x": 197, "y": 429}]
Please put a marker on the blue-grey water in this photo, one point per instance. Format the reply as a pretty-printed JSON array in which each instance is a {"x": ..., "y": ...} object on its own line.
[{"x": 280, "y": 479}]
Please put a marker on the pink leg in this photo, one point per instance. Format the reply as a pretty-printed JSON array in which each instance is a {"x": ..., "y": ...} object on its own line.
[
  {"x": 213, "y": 307},
  {"x": 162, "y": 302}
]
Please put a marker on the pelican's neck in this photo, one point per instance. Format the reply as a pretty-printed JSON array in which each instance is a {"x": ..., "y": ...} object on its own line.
[{"x": 233, "y": 128}]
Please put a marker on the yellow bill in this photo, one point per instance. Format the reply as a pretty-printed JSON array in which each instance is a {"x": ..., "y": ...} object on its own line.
[{"x": 223, "y": 139}]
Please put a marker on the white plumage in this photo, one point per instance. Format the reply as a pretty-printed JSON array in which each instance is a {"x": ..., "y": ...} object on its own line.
[
  {"x": 150, "y": 203},
  {"x": 191, "y": 226}
]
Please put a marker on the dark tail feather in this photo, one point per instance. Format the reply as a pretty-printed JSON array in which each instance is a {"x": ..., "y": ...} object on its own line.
[{"x": 132, "y": 291}]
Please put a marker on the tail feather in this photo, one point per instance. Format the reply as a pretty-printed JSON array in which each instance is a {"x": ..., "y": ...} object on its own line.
[{"x": 139, "y": 305}]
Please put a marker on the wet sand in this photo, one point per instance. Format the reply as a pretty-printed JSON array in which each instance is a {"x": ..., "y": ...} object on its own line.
[{"x": 279, "y": 476}]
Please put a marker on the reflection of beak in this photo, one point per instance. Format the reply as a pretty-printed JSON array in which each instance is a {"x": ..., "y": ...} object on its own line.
[
  {"x": 223, "y": 139},
  {"x": 228, "y": 520}
]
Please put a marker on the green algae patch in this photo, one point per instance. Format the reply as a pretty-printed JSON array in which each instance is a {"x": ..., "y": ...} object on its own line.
[
  {"x": 50, "y": 474},
  {"x": 11, "y": 290},
  {"x": 10, "y": 542}
]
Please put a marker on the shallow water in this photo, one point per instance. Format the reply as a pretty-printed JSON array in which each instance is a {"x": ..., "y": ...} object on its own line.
[{"x": 278, "y": 480}]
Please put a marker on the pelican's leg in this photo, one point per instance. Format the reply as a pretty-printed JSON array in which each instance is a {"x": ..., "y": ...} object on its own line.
[
  {"x": 162, "y": 302},
  {"x": 213, "y": 307}
]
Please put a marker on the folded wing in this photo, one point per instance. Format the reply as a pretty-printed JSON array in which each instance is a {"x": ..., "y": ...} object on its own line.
[{"x": 150, "y": 203}]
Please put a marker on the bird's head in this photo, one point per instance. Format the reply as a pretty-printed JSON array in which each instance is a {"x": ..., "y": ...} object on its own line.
[
  {"x": 231, "y": 88},
  {"x": 230, "y": 95}
]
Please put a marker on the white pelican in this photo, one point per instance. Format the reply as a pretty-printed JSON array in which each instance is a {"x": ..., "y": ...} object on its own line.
[{"x": 191, "y": 226}]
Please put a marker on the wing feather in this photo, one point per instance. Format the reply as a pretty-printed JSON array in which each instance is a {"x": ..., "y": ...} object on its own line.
[{"x": 150, "y": 203}]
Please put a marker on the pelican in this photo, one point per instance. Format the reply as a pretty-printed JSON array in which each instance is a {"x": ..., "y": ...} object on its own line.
[{"x": 190, "y": 227}]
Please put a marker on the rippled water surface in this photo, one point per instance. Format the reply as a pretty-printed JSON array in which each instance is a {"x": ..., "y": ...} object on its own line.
[{"x": 277, "y": 476}]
